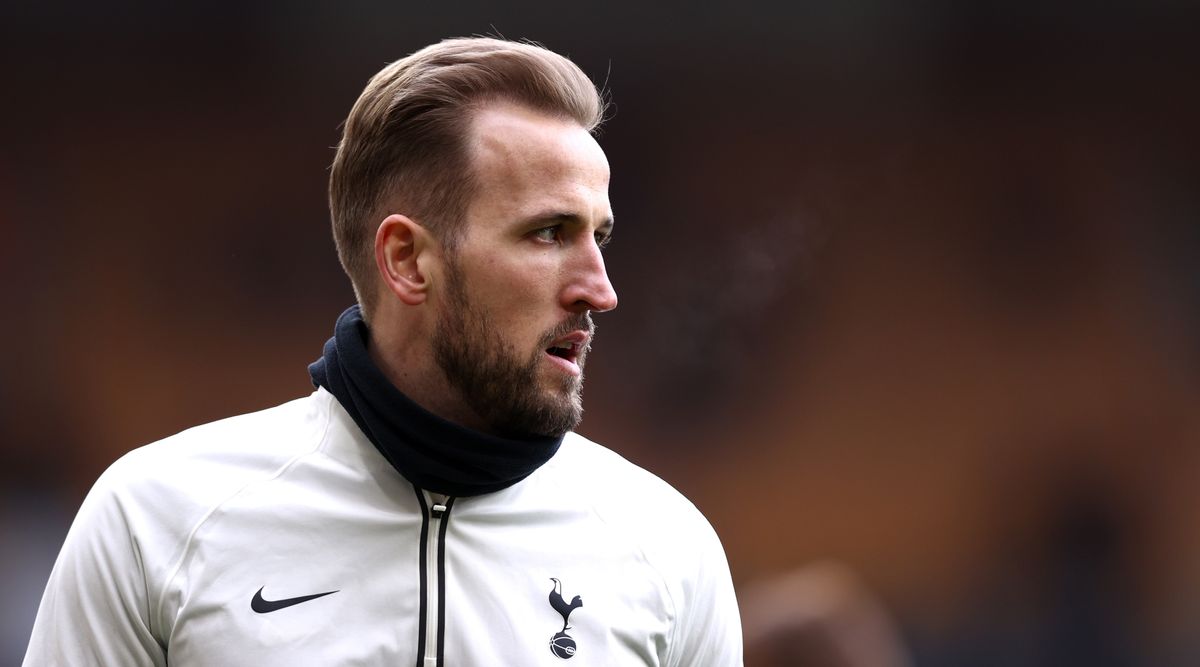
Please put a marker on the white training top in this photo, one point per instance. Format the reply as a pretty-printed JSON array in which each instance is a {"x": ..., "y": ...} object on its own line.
[{"x": 283, "y": 537}]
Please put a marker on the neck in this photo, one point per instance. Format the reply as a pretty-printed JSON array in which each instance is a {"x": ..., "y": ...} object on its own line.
[
  {"x": 400, "y": 347},
  {"x": 430, "y": 451}
]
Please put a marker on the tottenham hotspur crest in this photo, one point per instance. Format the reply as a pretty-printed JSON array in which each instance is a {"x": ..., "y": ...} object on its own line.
[{"x": 561, "y": 644}]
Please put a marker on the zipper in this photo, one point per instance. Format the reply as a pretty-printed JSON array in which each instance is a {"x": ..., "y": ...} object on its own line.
[{"x": 431, "y": 639}]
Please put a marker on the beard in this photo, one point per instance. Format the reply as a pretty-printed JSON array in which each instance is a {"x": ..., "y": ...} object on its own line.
[{"x": 495, "y": 380}]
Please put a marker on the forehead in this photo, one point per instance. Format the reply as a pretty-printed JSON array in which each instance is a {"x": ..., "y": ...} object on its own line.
[{"x": 525, "y": 159}]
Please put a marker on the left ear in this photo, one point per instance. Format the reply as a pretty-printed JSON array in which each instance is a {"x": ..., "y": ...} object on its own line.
[{"x": 399, "y": 244}]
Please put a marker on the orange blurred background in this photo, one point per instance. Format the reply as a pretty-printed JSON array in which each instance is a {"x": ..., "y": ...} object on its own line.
[{"x": 913, "y": 290}]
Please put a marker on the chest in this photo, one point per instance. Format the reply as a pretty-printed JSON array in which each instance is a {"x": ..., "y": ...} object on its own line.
[{"x": 436, "y": 584}]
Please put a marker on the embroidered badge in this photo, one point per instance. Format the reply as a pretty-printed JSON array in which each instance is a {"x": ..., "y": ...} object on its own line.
[{"x": 562, "y": 644}]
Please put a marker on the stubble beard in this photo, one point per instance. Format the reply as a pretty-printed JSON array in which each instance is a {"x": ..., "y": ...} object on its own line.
[{"x": 493, "y": 380}]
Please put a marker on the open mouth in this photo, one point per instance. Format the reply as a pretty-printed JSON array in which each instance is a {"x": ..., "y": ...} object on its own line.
[{"x": 568, "y": 351}]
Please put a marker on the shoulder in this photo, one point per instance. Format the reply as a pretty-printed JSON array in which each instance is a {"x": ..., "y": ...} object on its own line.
[
  {"x": 613, "y": 481},
  {"x": 672, "y": 536},
  {"x": 231, "y": 448},
  {"x": 132, "y": 531},
  {"x": 165, "y": 488},
  {"x": 665, "y": 524}
]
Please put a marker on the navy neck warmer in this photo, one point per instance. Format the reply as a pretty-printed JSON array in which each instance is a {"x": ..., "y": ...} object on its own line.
[{"x": 431, "y": 452}]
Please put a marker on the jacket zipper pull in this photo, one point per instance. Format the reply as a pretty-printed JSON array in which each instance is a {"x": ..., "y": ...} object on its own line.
[{"x": 437, "y": 510}]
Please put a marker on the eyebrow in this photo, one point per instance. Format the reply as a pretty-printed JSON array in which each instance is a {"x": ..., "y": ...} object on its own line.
[{"x": 558, "y": 217}]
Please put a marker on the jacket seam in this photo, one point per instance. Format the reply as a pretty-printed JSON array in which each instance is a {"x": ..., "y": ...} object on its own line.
[
  {"x": 188, "y": 543},
  {"x": 671, "y": 638}
]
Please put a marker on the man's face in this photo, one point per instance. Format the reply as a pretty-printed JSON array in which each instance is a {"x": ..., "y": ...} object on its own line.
[{"x": 514, "y": 323}]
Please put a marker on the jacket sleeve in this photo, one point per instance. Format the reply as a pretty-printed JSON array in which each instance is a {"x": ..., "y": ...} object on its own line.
[
  {"x": 709, "y": 628},
  {"x": 96, "y": 607}
]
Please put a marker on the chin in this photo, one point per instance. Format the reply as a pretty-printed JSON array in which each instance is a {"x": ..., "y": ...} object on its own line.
[{"x": 566, "y": 410}]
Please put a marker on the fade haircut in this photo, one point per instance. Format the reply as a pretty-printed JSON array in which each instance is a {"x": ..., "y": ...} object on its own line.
[{"x": 404, "y": 144}]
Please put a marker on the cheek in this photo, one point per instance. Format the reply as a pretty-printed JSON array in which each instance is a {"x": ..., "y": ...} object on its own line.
[{"x": 518, "y": 300}]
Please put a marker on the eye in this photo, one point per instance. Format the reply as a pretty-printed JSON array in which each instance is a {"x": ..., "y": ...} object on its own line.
[
  {"x": 546, "y": 234},
  {"x": 603, "y": 239}
]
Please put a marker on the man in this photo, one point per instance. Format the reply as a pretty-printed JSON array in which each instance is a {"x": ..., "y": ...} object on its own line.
[{"x": 428, "y": 504}]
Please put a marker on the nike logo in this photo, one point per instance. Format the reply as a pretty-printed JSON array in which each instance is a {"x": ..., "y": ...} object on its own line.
[{"x": 264, "y": 606}]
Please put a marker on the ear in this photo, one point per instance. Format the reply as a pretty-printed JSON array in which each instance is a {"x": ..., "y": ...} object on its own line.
[{"x": 399, "y": 243}]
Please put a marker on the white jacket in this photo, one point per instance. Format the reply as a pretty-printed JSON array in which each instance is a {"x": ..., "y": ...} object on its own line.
[{"x": 197, "y": 550}]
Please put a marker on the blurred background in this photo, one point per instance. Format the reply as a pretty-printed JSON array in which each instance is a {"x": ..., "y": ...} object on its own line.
[{"x": 910, "y": 292}]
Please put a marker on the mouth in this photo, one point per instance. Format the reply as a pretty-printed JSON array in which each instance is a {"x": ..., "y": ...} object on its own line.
[{"x": 567, "y": 351}]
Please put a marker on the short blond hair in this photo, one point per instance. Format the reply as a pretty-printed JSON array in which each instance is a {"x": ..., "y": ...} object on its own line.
[{"x": 404, "y": 142}]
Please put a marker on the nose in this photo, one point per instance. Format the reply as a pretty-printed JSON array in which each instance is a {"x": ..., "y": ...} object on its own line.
[{"x": 588, "y": 287}]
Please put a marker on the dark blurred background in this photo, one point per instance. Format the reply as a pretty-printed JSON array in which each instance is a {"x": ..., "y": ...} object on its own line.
[{"x": 913, "y": 288}]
